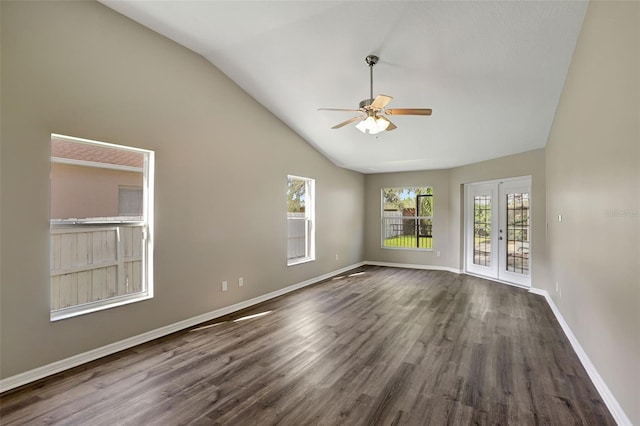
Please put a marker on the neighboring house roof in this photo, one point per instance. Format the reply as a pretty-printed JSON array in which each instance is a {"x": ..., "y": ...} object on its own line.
[{"x": 86, "y": 152}]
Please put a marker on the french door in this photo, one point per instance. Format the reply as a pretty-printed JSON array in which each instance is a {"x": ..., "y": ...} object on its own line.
[{"x": 498, "y": 230}]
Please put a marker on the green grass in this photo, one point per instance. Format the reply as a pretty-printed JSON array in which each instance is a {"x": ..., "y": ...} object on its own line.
[{"x": 408, "y": 242}]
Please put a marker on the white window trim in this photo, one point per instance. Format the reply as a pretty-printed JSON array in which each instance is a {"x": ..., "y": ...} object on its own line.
[
  {"x": 310, "y": 213},
  {"x": 87, "y": 308},
  {"x": 148, "y": 173},
  {"x": 382, "y": 246},
  {"x": 84, "y": 163}
]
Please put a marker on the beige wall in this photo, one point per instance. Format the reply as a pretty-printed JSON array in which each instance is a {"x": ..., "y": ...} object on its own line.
[
  {"x": 448, "y": 190},
  {"x": 593, "y": 181},
  {"x": 81, "y": 192},
  {"x": 80, "y": 69}
]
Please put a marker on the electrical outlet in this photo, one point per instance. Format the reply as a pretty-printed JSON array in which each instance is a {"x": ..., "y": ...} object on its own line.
[
  {"x": 557, "y": 287},
  {"x": 438, "y": 253},
  {"x": 224, "y": 286},
  {"x": 240, "y": 282},
  {"x": 336, "y": 256}
]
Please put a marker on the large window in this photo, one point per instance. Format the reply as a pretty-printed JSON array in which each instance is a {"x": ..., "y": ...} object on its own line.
[
  {"x": 300, "y": 220},
  {"x": 101, "y": 217},
  {"x": 407, "y": 218}
]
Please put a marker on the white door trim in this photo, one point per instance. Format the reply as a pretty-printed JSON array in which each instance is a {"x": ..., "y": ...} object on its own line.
[
  {"x": 472, "y": 191},
  {"x": 496, "y": 189}
]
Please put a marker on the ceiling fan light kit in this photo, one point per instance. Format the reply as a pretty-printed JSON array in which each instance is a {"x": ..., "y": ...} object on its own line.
[
  {"x": 370, "y": 121},
  {"x": 373, "y": 125}
]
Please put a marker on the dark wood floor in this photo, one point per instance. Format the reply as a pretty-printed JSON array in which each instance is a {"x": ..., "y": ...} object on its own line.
[{"x": 389, "y": 346}]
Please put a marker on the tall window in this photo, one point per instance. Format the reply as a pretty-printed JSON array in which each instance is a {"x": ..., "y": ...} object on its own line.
[
  {"x": 407, "y": 218},
  {"x": 300, "y": 220},
  {"x": 101, "y": 218}
]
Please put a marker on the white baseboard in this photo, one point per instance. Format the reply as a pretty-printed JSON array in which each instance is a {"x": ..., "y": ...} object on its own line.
[
  {"x": 605, "y": 393},
  {"x": 413, "y": 266},
  {"x": 21, "y": 379}
]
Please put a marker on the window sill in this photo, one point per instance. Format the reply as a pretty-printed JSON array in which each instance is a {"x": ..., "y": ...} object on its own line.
[
  {"x": 74, "y": 311},
  {"x": 299, "y": 261}
]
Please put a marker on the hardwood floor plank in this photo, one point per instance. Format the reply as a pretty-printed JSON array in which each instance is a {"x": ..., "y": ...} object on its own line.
[{"x": 388, "y": 346}]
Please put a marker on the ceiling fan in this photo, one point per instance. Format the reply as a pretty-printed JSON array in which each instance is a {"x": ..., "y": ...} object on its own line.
[{"x": 369, "y": 109}]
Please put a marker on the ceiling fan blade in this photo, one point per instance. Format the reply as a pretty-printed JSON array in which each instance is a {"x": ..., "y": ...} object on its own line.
[
  {"x": 339, "y": 109},
  {"x": 349, "y": 121},
  {"x": 380, "y": 102},
  {"x": 408, "y": 111},
  {"x": 391, "y": 126}
]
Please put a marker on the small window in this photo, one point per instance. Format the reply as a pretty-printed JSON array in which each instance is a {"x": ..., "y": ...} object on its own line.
[
  {"x": 100, "y": 225},
  {"x": 300, "y": 220},
  {"x": 407, "y": 218},
  {"x": 130, "y": 201}
]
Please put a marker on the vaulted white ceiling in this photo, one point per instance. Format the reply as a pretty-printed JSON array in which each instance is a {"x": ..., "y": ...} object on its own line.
[{"x": 492, "y": 71}]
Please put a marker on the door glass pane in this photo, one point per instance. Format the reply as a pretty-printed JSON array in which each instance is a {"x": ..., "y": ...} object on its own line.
[
  {"x": 482, "y": 230},
  {"x": 518, "y": 233}
]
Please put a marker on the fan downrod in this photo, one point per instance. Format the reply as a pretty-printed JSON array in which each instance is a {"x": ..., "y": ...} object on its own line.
[{"x": 371, "y": 60}]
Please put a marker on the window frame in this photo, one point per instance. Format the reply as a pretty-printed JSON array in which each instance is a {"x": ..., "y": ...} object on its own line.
[
  {"x": 115, "y": 224},
  {"x": 309, "y": 218},
  {"x": 414, "y": 217}
]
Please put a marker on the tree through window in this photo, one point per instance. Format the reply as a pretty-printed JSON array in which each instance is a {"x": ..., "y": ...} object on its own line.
[
  {"x": 407, "y": 217},
  {"x": 300, "y": 220}
]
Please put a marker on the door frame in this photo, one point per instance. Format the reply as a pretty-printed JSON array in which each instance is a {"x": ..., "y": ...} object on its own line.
[{"x": 497, "y": 261}]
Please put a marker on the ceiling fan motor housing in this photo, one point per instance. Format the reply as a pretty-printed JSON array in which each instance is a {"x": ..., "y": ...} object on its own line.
[{"x": 365, "y": 103}]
